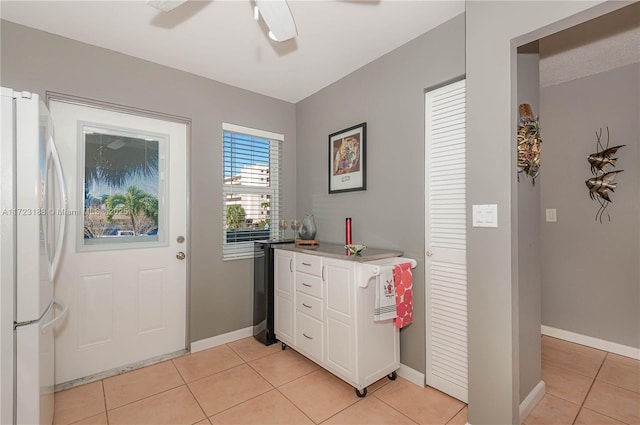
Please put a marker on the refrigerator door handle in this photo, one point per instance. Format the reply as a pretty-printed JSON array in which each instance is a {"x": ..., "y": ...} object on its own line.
[
  {"x": 65, "y": 204},
  {"x": 58, "y": 318}
]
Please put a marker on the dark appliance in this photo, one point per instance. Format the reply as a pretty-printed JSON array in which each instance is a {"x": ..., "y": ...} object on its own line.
[{"x": 263, "y": 322}]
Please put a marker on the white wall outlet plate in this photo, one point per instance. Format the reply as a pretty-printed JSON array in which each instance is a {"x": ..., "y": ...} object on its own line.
[
  {"x": 550, "y": 214},
  {"x": 485, "y": 215}
]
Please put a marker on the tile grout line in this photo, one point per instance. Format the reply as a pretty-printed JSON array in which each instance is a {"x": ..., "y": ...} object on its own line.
[
  {"x": 140, "y": 399},
  {"x": 146, "y": 397},
  {"x": 461, "y": 409},
  {"x": 581, "y": 405},
  {"x": 198, "y": 403},
  {"x": 237, "y": 404},
  {"x": 178, "y": 370},
  {"x": 211, "y": 374},
  {"x": 284, "y": 383},
  {"x": 590, "y": 388},
  {"x": 278, "y": 388},
  {"x": 104, "y": 398},
  {"x": 399, "y": 411},
  {"x": 295, "y": 405}
]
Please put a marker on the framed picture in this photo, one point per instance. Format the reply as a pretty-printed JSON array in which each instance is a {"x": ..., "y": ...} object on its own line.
[{"x": 347, "y": 159}]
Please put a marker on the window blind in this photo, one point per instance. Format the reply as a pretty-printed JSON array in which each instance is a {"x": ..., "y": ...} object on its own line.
[{"x": 251, "y": 205}]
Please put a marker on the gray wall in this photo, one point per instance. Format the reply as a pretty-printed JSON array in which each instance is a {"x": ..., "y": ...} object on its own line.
[
  {"x": 389, "y": 95},
  {"x": 493, "y": 30},
  {"x": 590, "y": 270},
  {"x": 221, "y": 292},
  {"x": 528, "y": 222}
]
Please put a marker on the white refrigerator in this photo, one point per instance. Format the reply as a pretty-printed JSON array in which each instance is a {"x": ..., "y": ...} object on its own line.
[{"x": 33, "y": 208}]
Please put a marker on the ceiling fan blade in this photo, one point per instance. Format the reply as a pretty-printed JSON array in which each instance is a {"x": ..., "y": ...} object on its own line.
[
  {"x": 278, "y": 17},
  {"x": 165, "y": 5}
]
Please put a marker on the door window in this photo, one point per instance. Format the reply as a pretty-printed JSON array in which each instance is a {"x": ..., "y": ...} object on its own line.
[{"x": 123, "y": 188}]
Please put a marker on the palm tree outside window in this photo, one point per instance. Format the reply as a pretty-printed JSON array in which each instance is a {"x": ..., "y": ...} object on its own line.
[{"x": 121, "y": 186}]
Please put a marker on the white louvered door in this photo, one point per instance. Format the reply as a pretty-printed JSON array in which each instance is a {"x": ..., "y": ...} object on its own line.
[{"x": 446, "y": 269}]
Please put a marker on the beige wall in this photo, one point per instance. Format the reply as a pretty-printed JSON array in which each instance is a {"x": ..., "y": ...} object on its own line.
[
  {"x": 389, "y": 95},
  {"x": 590, "y": 269},
  {"x": 493, "y": 30},
  {"x": 528, "y": 224},
  {"x": 221, "y": 292}
]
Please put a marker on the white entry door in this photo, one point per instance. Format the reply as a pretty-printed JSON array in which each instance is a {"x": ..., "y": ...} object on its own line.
[
  {"x": 446, "y": 265},
  {"x": 123, "y": 267}
]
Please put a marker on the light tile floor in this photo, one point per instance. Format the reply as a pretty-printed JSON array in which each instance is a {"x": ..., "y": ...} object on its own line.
[
  {"x": 585, "y": 386},
  {"x": 245, "y": 382}
]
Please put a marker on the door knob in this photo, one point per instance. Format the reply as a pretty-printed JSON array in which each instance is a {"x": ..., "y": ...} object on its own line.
[{"x": 180, "y": 255}]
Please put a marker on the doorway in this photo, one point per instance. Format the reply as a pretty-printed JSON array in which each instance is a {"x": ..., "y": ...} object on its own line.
[{"x": 124, "y": 263}]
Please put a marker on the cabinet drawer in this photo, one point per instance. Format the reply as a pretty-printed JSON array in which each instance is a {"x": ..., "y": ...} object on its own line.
[
  {"x": 311, "y": 264},
  {"x": 311, "y": 285},
  {"x": 309, "y": 335},
  {"x": 309, "y": 305}
]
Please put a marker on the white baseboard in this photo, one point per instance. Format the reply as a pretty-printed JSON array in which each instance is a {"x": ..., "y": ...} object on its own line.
[
  {"x": 590, "y": 341},
  {"x": 531, "y": 400},
  {"x": 411, "y": 375},
  {"x": 217, "y": 340}
]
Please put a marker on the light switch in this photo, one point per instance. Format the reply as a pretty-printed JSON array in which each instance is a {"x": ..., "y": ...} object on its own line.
[
  {"x": 485, "y": 215},
  {"x": 551, "y": 215}
]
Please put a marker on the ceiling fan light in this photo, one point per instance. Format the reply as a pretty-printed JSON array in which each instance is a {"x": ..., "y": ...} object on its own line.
[
  {"x": 277, "y": 15},
  {"x": 116, "y": 144},
  {"x": 165, "y": 5}
]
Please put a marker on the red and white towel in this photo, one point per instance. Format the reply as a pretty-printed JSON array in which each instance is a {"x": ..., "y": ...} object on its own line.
[
  {"x": 385, "y": 307},
  {"x": 403, "y": 282}
]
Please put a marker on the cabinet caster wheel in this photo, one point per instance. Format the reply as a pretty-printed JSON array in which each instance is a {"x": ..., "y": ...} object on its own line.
[
  {"x": 284, "y": 345},
  {"x": 361, "y": 393},
  {"x": 393, "y": 375}
]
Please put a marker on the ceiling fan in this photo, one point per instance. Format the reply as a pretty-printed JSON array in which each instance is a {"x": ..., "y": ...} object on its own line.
[{"x": 275, "y": 13}]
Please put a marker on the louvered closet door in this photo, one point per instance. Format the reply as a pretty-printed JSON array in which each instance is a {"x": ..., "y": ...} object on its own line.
[{"x": 446, "y": 268}]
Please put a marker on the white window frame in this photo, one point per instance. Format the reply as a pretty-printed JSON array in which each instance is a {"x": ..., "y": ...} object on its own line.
[
  {"x": 242, "y": 250},
  {"x": 124, "y": 242}
]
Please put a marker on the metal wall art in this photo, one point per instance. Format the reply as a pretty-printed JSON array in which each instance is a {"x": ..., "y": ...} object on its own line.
[
  {"x": 529, "y": 144},
  {"x": 604, "y": 179}
]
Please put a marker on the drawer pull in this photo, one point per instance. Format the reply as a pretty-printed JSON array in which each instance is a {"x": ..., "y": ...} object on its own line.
[
  {"x": 307, "y": 336},
  {"x": 308, "y": 306},
  {"x": 306, "y": 264},
  {"x": 307, "y": 285}
]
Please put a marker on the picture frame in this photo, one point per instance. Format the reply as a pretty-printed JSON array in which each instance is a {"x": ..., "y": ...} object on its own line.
[{"x": 348, "y": 159}]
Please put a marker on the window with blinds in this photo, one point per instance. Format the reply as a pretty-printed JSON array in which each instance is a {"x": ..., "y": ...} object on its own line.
[{"x": 251, "y": 188}]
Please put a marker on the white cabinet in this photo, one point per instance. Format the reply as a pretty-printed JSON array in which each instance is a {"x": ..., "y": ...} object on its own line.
[
  {"x": 284, "y": 296},
  {"x": 331, "y": 316},
  {"x": 340, "y": 326},
  {"x": 309, "y": 296}
]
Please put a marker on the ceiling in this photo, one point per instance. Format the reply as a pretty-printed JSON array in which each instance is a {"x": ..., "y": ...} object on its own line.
[
  {"x": 601, "y": 44},
  {"x": 220, "y": 39}
]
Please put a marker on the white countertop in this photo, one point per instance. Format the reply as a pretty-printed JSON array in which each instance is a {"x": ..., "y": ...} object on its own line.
[{"x": 339, "y": 252}]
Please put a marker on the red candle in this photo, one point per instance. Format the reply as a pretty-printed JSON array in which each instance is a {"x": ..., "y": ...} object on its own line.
[{"x": 348, "y": 231}]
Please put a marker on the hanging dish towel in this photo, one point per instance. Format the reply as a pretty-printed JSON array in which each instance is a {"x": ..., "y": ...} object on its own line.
[
  {"x": 403, "y": 280},
  {"x": 385, "y": 307}
]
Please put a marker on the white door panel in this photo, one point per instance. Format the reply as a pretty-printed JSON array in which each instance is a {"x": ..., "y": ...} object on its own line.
[
  {"x": 446, "y": 274},
  {"x": 126, "y": 298}
]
